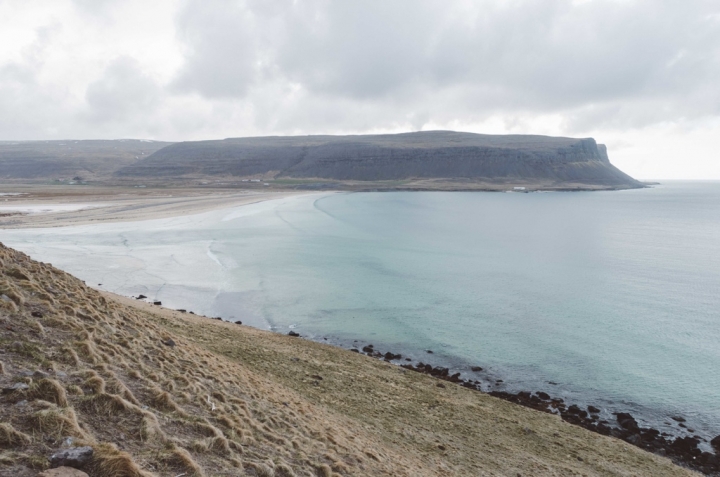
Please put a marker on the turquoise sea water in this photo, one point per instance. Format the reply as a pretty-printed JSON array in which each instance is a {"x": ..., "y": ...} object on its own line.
[{"x": 614, "y": 296}]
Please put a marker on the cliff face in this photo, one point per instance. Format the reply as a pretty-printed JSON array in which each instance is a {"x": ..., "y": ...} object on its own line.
[{"x": 421, "y": 155}]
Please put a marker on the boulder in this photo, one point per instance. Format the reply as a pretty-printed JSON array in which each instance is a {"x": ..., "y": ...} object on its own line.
[
  {"x": 292, "y": 333},
  {"x": 626, "y": 421},
  {"x": 75, "y": 457},
  {"x": 16, "y": 387},
  {"x": 62, "y": 472},
  {"x": 716, "y": 444}
]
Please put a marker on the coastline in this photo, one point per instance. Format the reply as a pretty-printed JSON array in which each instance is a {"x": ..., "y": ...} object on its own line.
[
  {"x": 203, "y": 203},
  {"x": 683, "y": 448}
]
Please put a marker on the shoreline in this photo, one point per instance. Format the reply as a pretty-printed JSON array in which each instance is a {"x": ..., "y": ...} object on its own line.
[
  {"x": 105, "y": 205},
  {"x": 684, "y": 451},
  {"x": 626, "y": 428}
]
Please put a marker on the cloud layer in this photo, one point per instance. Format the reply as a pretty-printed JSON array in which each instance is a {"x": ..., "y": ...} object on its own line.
[{"x": 620, "y": 70}]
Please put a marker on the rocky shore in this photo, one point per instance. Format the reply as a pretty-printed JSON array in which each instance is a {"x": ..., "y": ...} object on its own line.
[{"x": 682, "y": 450}]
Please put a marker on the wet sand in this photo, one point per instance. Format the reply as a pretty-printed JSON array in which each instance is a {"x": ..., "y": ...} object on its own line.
[{"x": 60, "y": 206}]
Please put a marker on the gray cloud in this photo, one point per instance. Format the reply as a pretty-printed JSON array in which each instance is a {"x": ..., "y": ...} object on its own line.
[
  {"x": 123, "y": 92},
  {"x": 317, "y": 66},
  {"x": 594, "y": 60}
]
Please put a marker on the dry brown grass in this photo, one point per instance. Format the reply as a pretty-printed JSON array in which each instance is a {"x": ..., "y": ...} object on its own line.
[
  {"x": 9, "y": 437},
  {"x": 58, "y": 422},
  {"x": 228, "y": 399},
  {"x": 51, "y": 390},
  {"x": 182, "y": 459},
  {"x": 111, "y": 462}
]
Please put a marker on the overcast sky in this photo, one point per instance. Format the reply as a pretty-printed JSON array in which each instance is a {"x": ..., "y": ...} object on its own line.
[{"x": 642, "y": 77}]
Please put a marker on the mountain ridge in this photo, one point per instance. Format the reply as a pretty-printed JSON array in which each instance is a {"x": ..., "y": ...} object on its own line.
[{"x": 419, "y": 155}]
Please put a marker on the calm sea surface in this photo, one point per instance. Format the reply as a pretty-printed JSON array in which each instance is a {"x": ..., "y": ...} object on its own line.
[{"x": 613, "y": 296}]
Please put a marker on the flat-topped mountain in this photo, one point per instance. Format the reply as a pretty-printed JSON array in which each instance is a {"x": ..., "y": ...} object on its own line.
[{"x": 390, "y": 157}]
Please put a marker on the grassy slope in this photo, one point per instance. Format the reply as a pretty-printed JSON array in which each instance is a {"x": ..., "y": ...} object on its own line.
[{"x": 282, "y": 406}]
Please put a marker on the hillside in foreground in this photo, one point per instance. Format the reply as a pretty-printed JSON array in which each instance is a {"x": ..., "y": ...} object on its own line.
[
  {"x": 160, "y": 392},
  {"x": 391, "y": 157}
]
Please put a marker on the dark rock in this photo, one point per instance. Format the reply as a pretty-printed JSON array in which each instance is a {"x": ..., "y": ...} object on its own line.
[
  {"x": 76, "y": 457},
  {"x": 355, "y": 350},
  {"x": 429, "y": 351},
  {"x": 141, "y": 297},
  {"x": 390, "y": 356},
  {"x": 16, "y": 387},
  {"x": 593, "y": 409},
  {"x": 715, "y": 442},
  {"x": 543, "y": 396},
  {"x": 191, "y": 312},
  {"x": 238, "y": 322},
  {"x": 677, "y": 418},
  {"x": 408, "y": 359},
  {"x": 169, "y": 342},
  {"x": 476, "y": 369},
  {"x": 368, "y": 349},
  {"x": 36, "y": 314},
  {"x": 292, "y": 333},
  {"x": 181, "y": 310},
  {"x": 316, "y": 376},
  {"x": 440, "y": 385},
  {"x": 157, "y": 303},
  {"x": 626, "y": 421},
  {"x": 686, "y": 445}
]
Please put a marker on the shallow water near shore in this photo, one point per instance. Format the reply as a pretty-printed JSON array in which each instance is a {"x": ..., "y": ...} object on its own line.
[{"x": 614, "y": 296}]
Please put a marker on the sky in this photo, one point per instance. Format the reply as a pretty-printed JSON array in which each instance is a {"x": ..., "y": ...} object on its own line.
[{"x": 641, "y": 76}]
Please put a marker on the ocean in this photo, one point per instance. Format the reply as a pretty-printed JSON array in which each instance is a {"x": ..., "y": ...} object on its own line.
[{"x": 603, "y": 298}]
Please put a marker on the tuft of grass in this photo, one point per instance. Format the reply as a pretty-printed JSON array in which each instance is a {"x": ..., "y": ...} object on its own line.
[
  {"x": 108, "y": 460},
  {"x": 163, "y": 401},
  {"x": 96, "y": 383},
  {"x": 107, "y": 404},
  {"x": 181, "y": 458},
  {"x": 49, "y": 389},
  {"x": 284, "y": 470},
  {"x": 150, "y": 428},
  {"x": 59, "y": 422},
  {"x": 9, "y": 437},
  {"x": 37, "y": 462}
]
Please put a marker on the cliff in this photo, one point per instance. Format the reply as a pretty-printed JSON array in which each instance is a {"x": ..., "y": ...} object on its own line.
[{"x": 392, "y": 157}]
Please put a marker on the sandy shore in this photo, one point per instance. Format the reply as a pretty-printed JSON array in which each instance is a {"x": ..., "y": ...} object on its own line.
[{"x": 60, "y": 206}]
